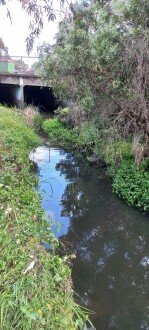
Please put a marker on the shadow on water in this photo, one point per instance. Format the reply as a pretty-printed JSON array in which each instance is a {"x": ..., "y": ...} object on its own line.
[{"x": 110, "y": 239}]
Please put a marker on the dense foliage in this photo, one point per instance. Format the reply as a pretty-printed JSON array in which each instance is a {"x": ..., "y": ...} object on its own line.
[
  {"x": 99, "y": 65},
  {"x": 100, "y": 62},
  {"x": 132, "y": 184},
  {"x": 58, "y": 133}
]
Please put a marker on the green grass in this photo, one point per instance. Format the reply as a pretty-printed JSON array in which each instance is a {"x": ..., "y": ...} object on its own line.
[
  {"x": 60, "y": 133},
  {"x": 40, "y": 297}
]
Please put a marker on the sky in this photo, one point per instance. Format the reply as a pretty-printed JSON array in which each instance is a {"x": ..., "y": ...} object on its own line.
[{"x": 14, "y": 34}]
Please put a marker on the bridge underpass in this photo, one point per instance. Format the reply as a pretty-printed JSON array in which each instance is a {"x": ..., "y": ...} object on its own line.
[
  {"x": 41, "y": 97},
  {"x": 20, "y": 86},
  {"x": 8, "y": 94}
]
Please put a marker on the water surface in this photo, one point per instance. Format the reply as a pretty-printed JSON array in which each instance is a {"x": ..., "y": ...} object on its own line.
[{"x": 110, "y": 239}]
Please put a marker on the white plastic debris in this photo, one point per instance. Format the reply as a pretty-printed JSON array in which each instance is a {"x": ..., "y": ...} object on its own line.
[{"x": 31, "y": 265}]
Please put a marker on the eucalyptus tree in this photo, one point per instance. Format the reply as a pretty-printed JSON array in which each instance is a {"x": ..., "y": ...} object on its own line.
[
  {"x": 38, "y": 11},
  {"x": 3, "y": 48},
  {"x": 83, "y": 50}
]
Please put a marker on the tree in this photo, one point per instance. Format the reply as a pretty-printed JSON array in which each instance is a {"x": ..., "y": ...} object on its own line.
[
  {"x": 20, "y": 65},
  {"x": 100, "y": 60},
  {"x": 3, "y": 48},
  {"x": 37, "y": 11}
]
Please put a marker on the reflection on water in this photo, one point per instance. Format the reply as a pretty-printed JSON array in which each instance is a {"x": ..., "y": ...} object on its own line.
[
  {"x": 111, "y": 239},
  {"x": 52, "y": 185}
]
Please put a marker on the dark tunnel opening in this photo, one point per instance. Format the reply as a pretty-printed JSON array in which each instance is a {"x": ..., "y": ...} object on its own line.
[
  {"x": 42, "y": 97},
  {"x": 7, "y": 94}
]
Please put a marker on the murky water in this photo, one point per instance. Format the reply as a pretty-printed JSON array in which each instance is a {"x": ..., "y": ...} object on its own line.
[{"x": 111, "y": 239}]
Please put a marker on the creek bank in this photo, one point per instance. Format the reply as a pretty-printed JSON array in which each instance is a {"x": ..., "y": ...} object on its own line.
[
  {"x": 129, "y": 180},
  {"x": 36, "y": 290}
]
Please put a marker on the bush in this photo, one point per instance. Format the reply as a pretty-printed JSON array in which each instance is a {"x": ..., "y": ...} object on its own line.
[
  {"x": 64, "y": 134},
  {"x": 88, "y": 136},
  {"x": 132, "y": 184},
  {"x": 59, "y": 133},
  {"x": 37, "y": 122},
  {"x": 116, "y": 151},
  {"x": 72, "y": 115},
  {"x": 62, "y": 114}
]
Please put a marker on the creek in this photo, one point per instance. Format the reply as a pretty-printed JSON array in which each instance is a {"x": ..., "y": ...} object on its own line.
[{"x": 110, "y": 239}]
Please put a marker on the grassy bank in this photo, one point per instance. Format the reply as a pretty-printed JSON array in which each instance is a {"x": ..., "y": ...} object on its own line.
[
  {"x": 35, "y": 286},
  {"x": 130, "y": 179}
]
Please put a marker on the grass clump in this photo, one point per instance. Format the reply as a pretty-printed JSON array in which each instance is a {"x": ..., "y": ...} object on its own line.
[
  {"x": 33, "y": 117},
  {"x": 82, "y": 137},
  {"x": 35, "y": 286},
  {"x": 16, "y": 136}
]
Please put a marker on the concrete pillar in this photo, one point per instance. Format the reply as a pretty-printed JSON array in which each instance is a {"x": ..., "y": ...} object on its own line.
[{"x": 20, "y": 94}]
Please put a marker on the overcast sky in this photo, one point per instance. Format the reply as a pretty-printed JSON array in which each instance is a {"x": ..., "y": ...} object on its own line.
[{"x": 14, "y": 34}]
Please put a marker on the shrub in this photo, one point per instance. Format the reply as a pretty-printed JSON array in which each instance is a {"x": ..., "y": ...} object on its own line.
[
  {"x": 62, "y": 114},
  {"x": 59, "y": 133},
  {"x": 37, "y": 123},
  {"x": 116, "y": 151},
  {"x": 132, "y": 184},
  {"x": 88, "y": 136},
  {"x": 73, "y": 115}
]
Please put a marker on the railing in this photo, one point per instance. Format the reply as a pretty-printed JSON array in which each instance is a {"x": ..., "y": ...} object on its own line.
[{"x": 17, "y": 64}]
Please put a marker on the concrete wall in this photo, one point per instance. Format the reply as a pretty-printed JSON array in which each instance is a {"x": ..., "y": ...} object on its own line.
[{"x": 21, "y": 79}]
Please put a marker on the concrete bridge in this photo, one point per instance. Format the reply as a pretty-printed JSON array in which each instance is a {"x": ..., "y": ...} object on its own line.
[
  {"x": 16, "y": 82},
  {"x": 18, "y": 86},
  {"x": 21, "y": 79}
]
